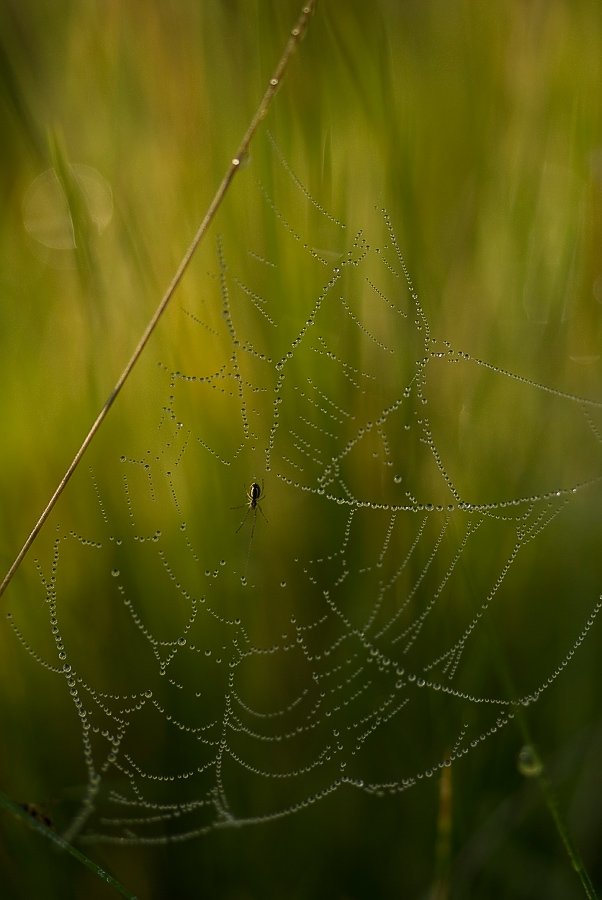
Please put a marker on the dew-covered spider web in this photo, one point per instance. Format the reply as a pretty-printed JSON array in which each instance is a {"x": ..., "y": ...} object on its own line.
[{"x": 331, "y": 553}]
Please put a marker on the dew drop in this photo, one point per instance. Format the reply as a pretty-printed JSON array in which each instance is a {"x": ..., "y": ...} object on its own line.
[{"x": 528, "y": 762}]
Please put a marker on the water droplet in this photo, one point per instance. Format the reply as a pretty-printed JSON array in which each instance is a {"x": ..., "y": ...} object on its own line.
[{"x": 528, "y": 762}]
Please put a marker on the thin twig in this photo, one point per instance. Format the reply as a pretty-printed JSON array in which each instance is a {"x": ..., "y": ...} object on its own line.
[{"x": 295, "y": 37}]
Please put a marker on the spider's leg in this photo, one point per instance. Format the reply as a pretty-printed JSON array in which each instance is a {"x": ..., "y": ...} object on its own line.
[
  {"x": 262, "y": 512},
  {"x": 244, "y": 519}
]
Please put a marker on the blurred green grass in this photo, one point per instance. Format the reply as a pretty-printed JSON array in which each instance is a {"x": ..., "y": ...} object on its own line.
[{"x": 482, "y": 136}]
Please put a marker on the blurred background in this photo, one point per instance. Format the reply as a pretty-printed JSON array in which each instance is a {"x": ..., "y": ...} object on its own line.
[{"x": 481, "y": 134}]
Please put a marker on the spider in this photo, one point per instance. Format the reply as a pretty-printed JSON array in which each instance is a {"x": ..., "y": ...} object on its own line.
[{"x": 253, "y": 494}]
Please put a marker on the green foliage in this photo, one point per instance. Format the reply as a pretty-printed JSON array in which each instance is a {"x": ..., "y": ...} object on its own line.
[{"x": 481, "y": 135}]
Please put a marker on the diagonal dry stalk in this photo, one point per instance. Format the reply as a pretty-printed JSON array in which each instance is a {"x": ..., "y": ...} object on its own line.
[{"x": 296, "y": 35}]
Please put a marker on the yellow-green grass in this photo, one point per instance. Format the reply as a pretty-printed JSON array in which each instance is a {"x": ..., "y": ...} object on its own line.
[{"x": 479, "y": 131}]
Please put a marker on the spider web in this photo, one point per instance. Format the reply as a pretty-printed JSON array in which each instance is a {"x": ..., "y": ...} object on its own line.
[{"x": 377, "y": 614}]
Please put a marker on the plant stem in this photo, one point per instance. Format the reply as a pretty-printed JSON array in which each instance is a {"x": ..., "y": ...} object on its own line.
[
  {"x": 562, "y": 828},
  {"x": 62, "y": 844},
  {"x": 296, "y": 35}
]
